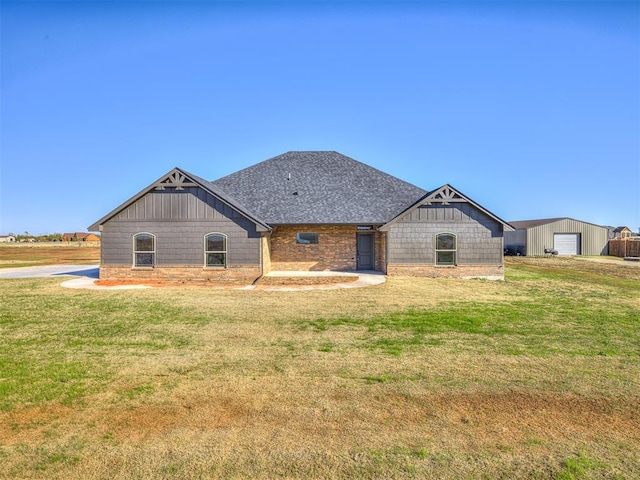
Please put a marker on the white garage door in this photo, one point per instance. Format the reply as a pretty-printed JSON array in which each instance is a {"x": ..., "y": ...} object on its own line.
[{"x": 567, "y": 243}]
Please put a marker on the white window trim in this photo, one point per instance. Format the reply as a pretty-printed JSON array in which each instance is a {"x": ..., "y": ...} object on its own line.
[
  {"x": 225, "y": 251},
  {"x": 154, "y": 251},
  {"x": 454, "y": 250}
]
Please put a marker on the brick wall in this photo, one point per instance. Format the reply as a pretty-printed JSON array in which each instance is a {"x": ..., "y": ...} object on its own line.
[
  {"x": 495, "y": 272},
  {"x": 336, "y": 248},
  {"x": 181, "y": 273}
]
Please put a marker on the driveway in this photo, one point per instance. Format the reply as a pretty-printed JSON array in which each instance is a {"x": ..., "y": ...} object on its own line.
[
  {"x": 89, "y": 271},
  {"x": 86, "y": 275}
]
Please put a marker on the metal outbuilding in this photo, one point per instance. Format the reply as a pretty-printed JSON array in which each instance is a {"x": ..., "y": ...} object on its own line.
[{"x": 567, "y": 236}]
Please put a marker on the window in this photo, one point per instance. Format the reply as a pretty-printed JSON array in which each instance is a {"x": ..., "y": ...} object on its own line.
[
  {"x": 215, "y": 250},
  {"x": 445, "y": 249},
  {"x": 307, "y": 238},
  {"x": 144, "y": 250}
]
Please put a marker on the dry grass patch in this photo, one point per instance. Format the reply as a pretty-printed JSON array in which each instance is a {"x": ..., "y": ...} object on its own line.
[
  {"x": 576, "y": 267},
  {"x": 24, "y": 254},
  {"x": 534, "y": 377},
  {"x": 299, "y": 280}
]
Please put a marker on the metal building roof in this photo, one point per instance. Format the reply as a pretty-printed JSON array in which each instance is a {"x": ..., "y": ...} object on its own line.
[{"x": 545, "y": 221}]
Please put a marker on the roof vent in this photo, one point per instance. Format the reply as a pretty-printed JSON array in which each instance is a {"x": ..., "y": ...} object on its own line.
[{"x": 295, "y": 193}]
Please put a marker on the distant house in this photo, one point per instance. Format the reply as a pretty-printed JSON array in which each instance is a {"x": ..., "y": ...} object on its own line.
[
  {"x": 622, "y": 232},
  {"x": 80, "y": 237},
  {"x": 567, "y": 236},
  {"x": 7, "y": 239},
  {"x": 298, "y": 211}
]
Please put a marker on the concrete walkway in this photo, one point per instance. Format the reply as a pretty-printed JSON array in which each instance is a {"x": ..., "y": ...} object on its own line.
[
  {"x": 364, "y": 279},
  {"x": 88, "y": 274},
  {"x": 90, "y": 283}
]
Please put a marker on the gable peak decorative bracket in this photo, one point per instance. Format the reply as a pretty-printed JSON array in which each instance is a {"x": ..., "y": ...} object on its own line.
[
  {"x": 444, "y": 196},
  {"x": 176, "y": 180}
]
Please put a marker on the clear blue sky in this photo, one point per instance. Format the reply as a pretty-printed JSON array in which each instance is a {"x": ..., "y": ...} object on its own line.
[{"x": 532, "y": 109}]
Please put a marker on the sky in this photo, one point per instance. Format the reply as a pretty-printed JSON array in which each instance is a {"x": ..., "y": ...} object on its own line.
[{"x": 531, "y": 109}]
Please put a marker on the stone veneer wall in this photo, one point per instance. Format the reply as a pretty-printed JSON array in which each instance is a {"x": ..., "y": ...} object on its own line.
[
  {"x": 495, "y": 272},
  {"x": 245, "y": 274},
  {"x": 335, "y": 250}
]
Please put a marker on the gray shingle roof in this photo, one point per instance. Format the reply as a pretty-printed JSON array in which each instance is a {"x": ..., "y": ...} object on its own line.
[{"x": 319, "y": 188}]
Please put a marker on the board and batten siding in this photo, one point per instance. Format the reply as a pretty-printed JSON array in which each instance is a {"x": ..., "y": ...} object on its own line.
[
  {"x": 593, "y": 238},
  {"x": 180, "y": 219},
  {"x": 411, "y": 239}
]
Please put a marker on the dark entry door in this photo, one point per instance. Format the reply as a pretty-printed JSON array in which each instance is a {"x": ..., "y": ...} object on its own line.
[{"x": 365, "y": 258}]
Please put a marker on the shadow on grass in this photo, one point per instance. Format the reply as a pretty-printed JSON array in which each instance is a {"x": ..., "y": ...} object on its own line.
[{"x": 88, "y": 272}]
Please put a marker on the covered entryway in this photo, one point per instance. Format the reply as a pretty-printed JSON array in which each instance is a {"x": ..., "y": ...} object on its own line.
[
  {"x": 365, "y": 259},
  {"x": 567, "y": 243}
]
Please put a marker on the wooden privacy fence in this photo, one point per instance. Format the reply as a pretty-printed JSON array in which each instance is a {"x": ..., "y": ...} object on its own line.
[{"x": 628, "y": 247}]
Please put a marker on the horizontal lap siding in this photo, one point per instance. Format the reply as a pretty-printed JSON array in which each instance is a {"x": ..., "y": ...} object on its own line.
[
  {"x": 479, "y": 238},
  {"x": 180, "y": 220}
]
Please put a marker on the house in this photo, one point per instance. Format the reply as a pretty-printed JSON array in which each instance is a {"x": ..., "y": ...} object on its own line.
[
  {"x": 565, "y": 235},
  {"x": 297, "y": 211},
  {"x": 80, "y": 237},
  {"x": 621, "y": 232},
  {"x": 7, "y": 239}
]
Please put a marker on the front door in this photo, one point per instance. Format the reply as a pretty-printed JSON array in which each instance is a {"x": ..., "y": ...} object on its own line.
[{"x": 365, "y": 257}]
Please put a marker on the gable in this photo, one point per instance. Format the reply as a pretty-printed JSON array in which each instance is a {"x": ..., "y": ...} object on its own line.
[
  {"x": 185, "y": 203},
  {"x": 179, "y": 195},
  {"x": 446, "y": 204},
  {"x": 458, "y": 212}
]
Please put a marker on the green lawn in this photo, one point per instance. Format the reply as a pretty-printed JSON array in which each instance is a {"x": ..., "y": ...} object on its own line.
[{"x": 534, "y": 377}]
